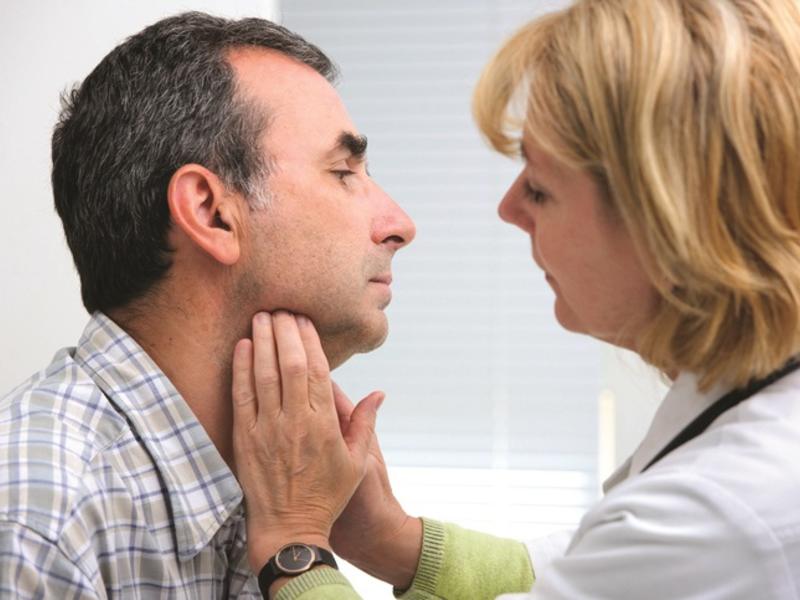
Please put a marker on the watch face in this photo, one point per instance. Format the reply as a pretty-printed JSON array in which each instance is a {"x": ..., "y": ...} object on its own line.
[{"x": 295, "y": 558}]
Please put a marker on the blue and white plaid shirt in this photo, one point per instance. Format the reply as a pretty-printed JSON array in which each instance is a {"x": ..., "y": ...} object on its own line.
[{"x": 110, "y": 487}]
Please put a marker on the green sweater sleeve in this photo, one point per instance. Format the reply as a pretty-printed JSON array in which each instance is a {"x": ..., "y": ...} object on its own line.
[
  {"x": 318, "y": 584},
  {"x": 454, "y": 563},
  {"x": 459, "y": 563}
]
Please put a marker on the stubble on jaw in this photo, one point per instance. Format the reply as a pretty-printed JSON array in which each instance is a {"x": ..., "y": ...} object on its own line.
[
  {"x": 342, "y": 319},
  {"x": 354, "y": 340},
  {"x": 341, "y": 338}
]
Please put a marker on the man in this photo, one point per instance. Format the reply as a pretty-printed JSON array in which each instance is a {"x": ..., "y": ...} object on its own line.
[{"x": 204, "y": 171}]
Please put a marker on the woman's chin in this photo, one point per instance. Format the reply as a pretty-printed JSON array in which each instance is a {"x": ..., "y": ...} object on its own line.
[{"x": 566, "y": 317}]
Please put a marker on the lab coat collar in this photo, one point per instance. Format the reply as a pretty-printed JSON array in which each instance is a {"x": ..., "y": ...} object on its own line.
[{"x": 679, "y": 407}]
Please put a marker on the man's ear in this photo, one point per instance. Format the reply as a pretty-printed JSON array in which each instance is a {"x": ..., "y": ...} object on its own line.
[{"x": 210, "y": 217}]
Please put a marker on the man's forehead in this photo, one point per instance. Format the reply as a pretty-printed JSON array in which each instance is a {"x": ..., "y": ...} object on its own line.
[
  {"x": 247, "y": 58},
  {"x": 305, "y": 112},
  {"x": 274, "y": 78}
]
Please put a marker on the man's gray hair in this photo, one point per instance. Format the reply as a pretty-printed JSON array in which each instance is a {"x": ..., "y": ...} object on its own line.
[{"x": 164, "y": 98}]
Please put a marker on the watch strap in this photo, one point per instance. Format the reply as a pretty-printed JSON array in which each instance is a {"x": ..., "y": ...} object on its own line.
[{"x": 272, "y": 570}]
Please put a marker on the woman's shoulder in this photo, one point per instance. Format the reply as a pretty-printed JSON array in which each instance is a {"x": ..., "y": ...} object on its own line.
[
  {"x": 679, "y": 531},
  {"x": 736, "y": 485}
]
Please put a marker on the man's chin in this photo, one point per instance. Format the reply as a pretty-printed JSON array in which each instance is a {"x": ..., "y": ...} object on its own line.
[
  {"x": 356, "y": 340},
  {"x": 376, "y": 342}
]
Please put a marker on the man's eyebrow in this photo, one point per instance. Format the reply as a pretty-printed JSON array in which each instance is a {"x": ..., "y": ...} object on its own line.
[{"x": 356, "y": 145}]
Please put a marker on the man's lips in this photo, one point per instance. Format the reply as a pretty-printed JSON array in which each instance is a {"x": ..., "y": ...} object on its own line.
[{"x": 384, "y": 279}]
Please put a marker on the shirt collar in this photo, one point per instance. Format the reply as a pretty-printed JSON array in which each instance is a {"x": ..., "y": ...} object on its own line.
[
  {"x": 683, "y": 402},
  {"x": 203, "y": 491}
]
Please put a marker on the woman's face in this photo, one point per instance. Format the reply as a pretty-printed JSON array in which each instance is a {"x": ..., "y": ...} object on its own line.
[{"x": 584, "y": 250}]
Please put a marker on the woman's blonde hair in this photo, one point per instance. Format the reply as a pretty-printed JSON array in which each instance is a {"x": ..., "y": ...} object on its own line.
[{"x": 688, "y": 114}]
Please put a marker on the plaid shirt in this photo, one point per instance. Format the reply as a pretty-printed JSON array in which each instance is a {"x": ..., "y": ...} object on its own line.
[{"x": 110, "y": 487}]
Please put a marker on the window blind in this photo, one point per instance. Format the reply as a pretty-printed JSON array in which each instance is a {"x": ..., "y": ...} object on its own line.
[{"x": 491, "y": 411}]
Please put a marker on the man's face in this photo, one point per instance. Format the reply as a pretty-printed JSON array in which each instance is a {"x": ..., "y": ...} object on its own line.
[{"x": 324, "y": 245}]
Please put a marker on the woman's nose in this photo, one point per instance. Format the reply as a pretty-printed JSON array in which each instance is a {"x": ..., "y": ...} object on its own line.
[
  {"x": 510, "y": 208},
  {"x": 504, "y": 209}
]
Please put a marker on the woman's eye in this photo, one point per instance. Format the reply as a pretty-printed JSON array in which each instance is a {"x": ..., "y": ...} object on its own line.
[{"x": 536, "y": 196}]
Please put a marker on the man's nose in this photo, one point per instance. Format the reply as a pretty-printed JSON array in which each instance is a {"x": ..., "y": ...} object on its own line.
[{"x": 393, "y": 227}]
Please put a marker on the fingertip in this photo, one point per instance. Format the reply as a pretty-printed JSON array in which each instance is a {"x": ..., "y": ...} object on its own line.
[{"x": 261, "y": 319}]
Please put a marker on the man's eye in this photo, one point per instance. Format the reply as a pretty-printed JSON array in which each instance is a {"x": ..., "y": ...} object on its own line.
[
  {"x": 343, "y": 173},
  {"x": 536, "y": 196}
]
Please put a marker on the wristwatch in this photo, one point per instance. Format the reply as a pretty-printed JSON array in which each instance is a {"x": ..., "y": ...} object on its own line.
[{"x": 292, "y": 560}]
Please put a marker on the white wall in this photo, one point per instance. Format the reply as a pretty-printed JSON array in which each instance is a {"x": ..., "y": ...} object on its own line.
[{"x": 44, "y": 47}]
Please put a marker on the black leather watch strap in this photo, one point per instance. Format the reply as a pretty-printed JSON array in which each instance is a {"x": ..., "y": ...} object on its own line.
[{"x": 292, "y": 560}]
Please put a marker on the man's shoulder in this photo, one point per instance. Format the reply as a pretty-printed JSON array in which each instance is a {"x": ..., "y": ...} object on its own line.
[
  {"x": 62, "y": 405},
  {"x": 54, "y": 429}
]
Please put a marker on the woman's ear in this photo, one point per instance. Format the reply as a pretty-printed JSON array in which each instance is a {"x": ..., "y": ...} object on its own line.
[{"x": 201, "y": 208}]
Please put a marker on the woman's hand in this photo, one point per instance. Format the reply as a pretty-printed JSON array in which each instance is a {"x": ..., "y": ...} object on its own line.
[
  {"x": 374, "y": 532},
  {"x": 297, "y": 468}
]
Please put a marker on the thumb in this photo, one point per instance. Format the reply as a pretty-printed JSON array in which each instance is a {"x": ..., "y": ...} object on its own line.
[
  {"x": 344, "y": 407},
  {"x": 362, "y": 426}
]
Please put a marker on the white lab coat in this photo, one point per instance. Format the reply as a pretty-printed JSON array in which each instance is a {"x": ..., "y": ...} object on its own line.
[{"x": 718, "y": 517}]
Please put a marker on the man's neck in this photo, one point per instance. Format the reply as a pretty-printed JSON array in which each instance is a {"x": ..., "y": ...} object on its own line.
[
  {"x": 192, "y": 342},
  {"x": 193, "y": 355}
]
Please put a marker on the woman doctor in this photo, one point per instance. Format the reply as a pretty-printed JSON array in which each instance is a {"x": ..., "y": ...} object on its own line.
[{"x": 661, "y": 193}]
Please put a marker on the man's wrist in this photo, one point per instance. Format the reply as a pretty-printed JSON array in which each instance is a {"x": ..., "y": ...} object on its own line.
[
  {"x": 262, "y": 548},
  {"x": 291, "y": 561}
]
